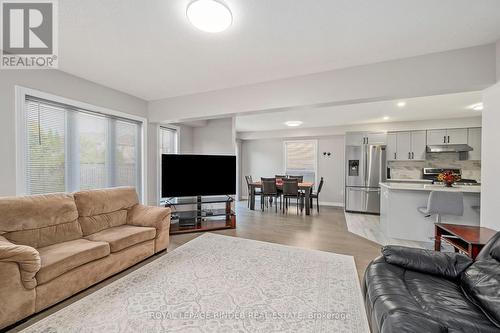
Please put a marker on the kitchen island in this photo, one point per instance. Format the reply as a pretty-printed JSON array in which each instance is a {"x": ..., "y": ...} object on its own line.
[{"x": 399, "y": 217}]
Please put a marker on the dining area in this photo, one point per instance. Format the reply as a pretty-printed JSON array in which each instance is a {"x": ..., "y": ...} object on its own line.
[{"x": 281, "y": 191}]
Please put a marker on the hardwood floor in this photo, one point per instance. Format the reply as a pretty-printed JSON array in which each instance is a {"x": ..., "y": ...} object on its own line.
[{"x": 326, "y": 231}]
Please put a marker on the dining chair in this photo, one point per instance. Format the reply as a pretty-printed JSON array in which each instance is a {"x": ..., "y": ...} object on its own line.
[
  {"x": 249, "y": 180},
  {"x": 281, "y": 177},
  {"x": 291, "y": 190},
  {"x": 300, "y": 179},
  {"x": 269, "y": 190},
  {"x": 315, "y": 195}
]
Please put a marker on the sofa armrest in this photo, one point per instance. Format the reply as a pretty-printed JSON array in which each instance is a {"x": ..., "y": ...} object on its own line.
[
  {"x": 27, "y": 258},
  {"x": 151, "y": 216},
  {"x": 148, "y": 216},
  {"x": 447, "y": 265}
]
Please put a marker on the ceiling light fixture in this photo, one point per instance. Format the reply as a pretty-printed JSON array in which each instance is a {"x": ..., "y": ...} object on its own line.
[
  {"x": 477, "y": 107},
  {"x": 401, "y": 104},
  {"x": 209, "y": 15},
  {"x": 293, "y": 123},
  {"x": 386, "y": 118}
]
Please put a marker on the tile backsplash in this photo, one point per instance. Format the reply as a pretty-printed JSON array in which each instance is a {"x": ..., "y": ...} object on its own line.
[{"x": 413, "y": 169}]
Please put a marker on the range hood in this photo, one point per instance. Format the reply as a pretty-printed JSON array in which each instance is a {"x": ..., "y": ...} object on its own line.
[{"x": 450, "y": 148}]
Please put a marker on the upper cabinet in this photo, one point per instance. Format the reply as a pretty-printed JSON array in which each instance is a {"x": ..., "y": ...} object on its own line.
[
  {"x": 447, "y": 136},
  {"x": 363, "y": 138},
  {"x": 475, "y": 142},
  {"x": 405, "y": 146}
]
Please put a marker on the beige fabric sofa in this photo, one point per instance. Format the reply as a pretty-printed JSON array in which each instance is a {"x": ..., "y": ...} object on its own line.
[{"x": 55, "y": 245}]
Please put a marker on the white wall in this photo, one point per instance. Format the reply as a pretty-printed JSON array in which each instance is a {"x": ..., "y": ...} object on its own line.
[
  {"x": 469, "y": 69},
  {"x": 498, "y": 61},
  {"x": 490, "y": 190},
  {"x": 264, "y": 158},
  {"x": 57, "y": 83},
  {"x": 185, "y": 139},
  {"x": 215, "y": 138}
]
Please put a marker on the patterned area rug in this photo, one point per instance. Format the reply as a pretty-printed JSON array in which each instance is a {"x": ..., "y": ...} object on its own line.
[{"x": 224, "y": 284}]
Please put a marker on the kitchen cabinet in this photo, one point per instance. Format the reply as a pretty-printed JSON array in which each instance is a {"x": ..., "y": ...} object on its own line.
[
  {"x": 418, "y": 145},
  {"x": 392, "y": 146},
  {"x": 447, "y": 136},
  {"x": 405, "y": 146},
  {"x": 360, "y": 138},
  {"x": 436, "y": 137},
  {"x": 474, "y": 140}
]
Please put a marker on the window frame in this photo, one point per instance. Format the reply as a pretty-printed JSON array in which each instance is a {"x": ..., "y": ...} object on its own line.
[
  {"x": 177, "y": 130},
  {"x": 21, "y": 134},
  {"x": 315, "y": 143}
]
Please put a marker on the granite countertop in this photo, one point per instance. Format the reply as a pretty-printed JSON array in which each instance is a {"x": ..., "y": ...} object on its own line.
[{"x": 430, "y": 187}]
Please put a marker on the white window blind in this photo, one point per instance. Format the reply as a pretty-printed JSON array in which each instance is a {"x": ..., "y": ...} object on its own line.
[
  {"x": 301, "y": 159},
  {"x": 69, "y": 149},
  {"x": 168, "y": 140}
]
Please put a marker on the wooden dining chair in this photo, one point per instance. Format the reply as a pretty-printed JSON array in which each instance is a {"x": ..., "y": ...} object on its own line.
[
  {"x": 300, "y": 179},
  {"x": 249, "y": 180},
  {"x": 281, "y": 177},
  {"x": 269, "y": 190},
  {"x": 290, "y": 191}
]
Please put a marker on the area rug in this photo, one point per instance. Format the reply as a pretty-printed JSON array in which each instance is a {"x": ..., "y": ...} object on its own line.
[{"x": 218, "y": 283}]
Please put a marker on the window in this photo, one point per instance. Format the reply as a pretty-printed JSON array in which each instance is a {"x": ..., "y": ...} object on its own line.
[
  {"x": 301, "y": 159},
  {"x": 168, "y": 140},
  {"x": 69, "y": 149}
]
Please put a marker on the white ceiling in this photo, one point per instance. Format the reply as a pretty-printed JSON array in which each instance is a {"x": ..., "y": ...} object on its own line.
[
  {"x": 148, "y": 48},
  {"x": 421, "y": 108}
]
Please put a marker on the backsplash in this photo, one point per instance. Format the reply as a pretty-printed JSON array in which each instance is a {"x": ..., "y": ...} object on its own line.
[{"x": 413, "y": 169}]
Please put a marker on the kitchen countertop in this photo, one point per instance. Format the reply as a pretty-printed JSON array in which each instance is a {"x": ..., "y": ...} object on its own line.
[
  {"x": 431, "y": 187},
  {"x": 401, "y": 180}
]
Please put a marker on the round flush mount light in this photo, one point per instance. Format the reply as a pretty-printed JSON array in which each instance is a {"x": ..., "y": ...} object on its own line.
[
  {"x": 293, "y": 123},
  {"x": 401, "y": 104},
  {"x": 477, "y": 107},
  {"x": 209, "y": 15},
  {"x": 386, "y": 118}
]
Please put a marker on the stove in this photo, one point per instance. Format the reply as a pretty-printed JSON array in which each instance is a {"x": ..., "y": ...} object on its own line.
[{"x": 432, "y": 174}]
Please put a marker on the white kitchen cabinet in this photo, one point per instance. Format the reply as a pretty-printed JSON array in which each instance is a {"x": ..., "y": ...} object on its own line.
[
  {"x": 376, "y": 138},
  {"x": 404, "y": 146},
  {"x": 474, "y": 140},
  {"x": 418, "y": 145},
  {"x": 360, "y": 138},
  {"x": 436, "y": 137},
  {"x": 447, "y": 136},
  {"x": 457, "y": 136},
  {"x": 392, "y": 147}
]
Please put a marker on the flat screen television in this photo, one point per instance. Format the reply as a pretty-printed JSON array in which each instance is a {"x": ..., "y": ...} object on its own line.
[{"x": 193, "y": 175}]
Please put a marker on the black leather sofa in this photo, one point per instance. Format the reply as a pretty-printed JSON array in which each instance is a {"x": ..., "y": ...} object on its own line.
[{"x": 423, "y": 291}]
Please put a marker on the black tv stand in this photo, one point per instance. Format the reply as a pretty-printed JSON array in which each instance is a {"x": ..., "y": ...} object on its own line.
[{"x": 199, "y": 217}]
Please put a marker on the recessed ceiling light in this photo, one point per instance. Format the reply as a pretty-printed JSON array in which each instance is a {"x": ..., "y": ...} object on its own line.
[
  {"x": 477, "y": 107},
  {"x": 293, "y": 123},
  {"x": 386, "y": 118},
  {"x": 209, "y": 15},
  {"x": 401, "y": 104}
]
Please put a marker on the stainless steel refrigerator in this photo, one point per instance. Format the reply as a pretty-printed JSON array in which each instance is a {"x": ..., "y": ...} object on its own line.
[{"x": 365, "y": 169}]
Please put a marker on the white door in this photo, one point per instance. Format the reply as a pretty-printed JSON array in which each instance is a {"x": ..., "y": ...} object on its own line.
[
  {"x": 436, "y": 137},
  {"x": 377, "y": 138},
  {"x": 475, "y": 142},
  {"x": 457, "y": 136},
  {"x": 392, "y": 147},
  {"x": 404, "y": 145},
  {"x": 418, "y": 145},
  {"x": 354, "y": 139}
]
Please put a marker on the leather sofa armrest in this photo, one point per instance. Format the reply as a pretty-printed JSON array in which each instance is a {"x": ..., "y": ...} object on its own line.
[
  {"x": 447, "y": 265},
  {"x": 27, "y": 258}
]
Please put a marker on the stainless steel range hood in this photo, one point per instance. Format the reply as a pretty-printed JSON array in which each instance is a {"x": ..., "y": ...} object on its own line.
[{"x": 450, "y": 148}]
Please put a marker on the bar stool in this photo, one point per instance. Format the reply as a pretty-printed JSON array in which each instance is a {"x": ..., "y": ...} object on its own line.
[{"x": 443, "y": 203}]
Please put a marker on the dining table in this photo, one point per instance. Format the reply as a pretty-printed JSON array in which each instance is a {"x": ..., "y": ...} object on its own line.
[{"x": 304, "y": 186}]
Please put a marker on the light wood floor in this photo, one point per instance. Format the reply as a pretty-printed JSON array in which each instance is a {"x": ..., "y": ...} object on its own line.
[{"x": 326, "y": 231}]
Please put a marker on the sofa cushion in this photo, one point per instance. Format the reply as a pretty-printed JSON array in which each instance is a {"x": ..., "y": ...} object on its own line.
[
  {"x": 392, "y": 290},
  {"x": 104, "y": 208},
  {"x": 123, "y": 236},
  {"x": 39, "y": 220},
  {"x": 481, "y": 282},
  {"x": 60, "y": 258}
]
